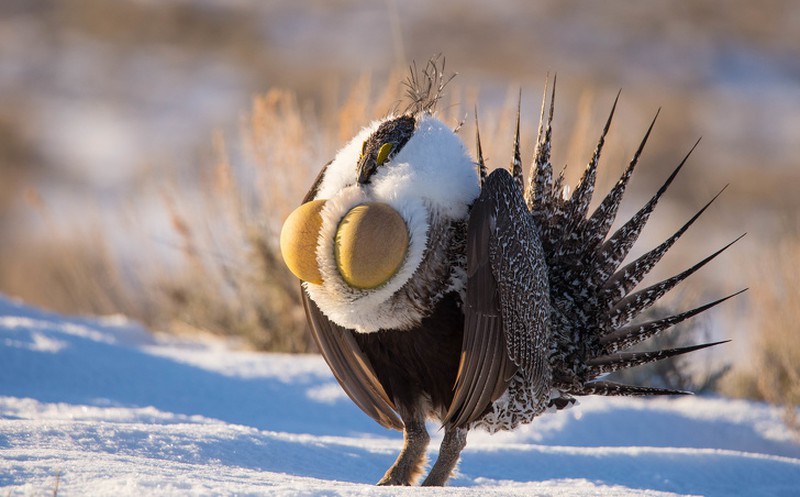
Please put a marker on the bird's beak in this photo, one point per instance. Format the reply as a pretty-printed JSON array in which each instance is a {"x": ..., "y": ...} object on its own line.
[{"x": 366, "y": 168}]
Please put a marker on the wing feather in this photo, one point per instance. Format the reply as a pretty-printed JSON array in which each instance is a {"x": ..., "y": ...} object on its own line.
[
  {"x": 507, "y": 306},
  {"x": 351, "y": 367},
  {"x": 347, "y": 361},
  {"x": 477, "y": 386}
]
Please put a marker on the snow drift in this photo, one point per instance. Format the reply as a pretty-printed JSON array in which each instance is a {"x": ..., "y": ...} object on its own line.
[{"x": 103, "y": 407}]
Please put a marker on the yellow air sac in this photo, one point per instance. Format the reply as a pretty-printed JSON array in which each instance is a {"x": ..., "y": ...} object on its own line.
[
  {"x": 299, "y": 236},
  {"x": 371, "y": 244}
]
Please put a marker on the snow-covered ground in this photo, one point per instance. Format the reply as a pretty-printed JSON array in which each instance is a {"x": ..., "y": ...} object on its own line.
[{"x": 102, "y": 407}]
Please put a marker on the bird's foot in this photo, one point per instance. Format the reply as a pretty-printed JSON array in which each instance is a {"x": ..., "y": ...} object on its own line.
[
  {"x": 407, "y": 469},
  {"x": 388, "y": 481},
  {"x": 455, "y": 439}
]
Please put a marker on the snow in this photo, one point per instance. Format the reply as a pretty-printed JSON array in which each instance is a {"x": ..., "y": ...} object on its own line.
[{"x": 104, "y": 407}]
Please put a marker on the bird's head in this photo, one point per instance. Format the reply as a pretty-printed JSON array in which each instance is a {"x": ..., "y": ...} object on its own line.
[{"x": 366, "y": 232}]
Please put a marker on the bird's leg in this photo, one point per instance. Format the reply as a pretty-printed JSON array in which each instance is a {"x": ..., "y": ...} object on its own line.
[
  {"x": 455, "y": 439},
  {"x": 408, "y": 466}
]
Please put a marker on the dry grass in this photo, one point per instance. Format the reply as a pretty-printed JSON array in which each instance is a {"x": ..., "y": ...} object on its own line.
[
  {"x": 697, "y": 372},
  {"x": 774, "y": 368},
  {"x": 224, "y": 274},
  {"x": 74, "y": 271},
  {"x": 234, "y": 281},
  {"x": 217, "y": 268}
]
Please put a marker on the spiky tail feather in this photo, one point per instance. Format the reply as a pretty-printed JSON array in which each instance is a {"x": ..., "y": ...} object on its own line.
[{"x": 591, "y": 300}]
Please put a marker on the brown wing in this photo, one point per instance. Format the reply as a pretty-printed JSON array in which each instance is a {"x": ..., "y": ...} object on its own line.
[
  {"x": 348, "y": 363},
  {"x": 485, "y": 368},
  {"x": 350, "y": 366},
  {"x": 507, "y": 308}
]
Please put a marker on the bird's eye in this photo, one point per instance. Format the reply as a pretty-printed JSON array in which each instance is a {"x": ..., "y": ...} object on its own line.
[{"x": 383, "y": 153}]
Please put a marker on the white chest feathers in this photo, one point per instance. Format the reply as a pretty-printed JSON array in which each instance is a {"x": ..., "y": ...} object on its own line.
[{"x": 429, "y": 182}]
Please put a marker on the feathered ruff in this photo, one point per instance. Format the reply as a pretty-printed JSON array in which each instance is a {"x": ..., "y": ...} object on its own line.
[{"x": 413, "y": 185}]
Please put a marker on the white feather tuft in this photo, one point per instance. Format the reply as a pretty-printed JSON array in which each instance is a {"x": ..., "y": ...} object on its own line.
[
  {"x": 341, "y": 172},
  {"x": 431, "y": 175},
  {"x": 364, "y": 310},
  {"x": 433, "y": 165}
]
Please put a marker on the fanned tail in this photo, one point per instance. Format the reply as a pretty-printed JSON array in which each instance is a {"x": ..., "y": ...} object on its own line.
[{"x": 592, "y": 299}]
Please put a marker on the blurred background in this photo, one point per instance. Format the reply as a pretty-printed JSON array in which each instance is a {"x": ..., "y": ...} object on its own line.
[{"x": 149, "y": 150}]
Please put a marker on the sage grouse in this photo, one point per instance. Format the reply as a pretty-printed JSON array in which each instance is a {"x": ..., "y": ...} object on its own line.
[{"x": 436, "y": 290}]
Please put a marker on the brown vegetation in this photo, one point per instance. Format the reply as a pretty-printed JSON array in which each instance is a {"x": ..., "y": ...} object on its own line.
[
  {"x": 216, "y": 268},
  {"x": 772, "y": 372}
]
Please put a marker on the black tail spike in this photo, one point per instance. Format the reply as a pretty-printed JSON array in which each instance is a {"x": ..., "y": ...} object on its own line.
[
  {"x": 479, "y": 151},
  {"x": 624, "y": 360},
  {"x": 609, "y": 388},
  {"x": 632, "y": 305},
  {"x": 541, "y": 129},
  {"x": 624, "y": 280},
  {"x": 628, "y": 336},
  {"x": 516, "y": 161},
  {"x": 558, "y": 185},
  {"x": 540, "y": 188},
  {"x": 603, "y": 217},
  {"x": 616, "y": 248},
  {"x": 579, "y": 202},
  {"x": 672, "y": 176},
  {"x": 645, "y": 138}
]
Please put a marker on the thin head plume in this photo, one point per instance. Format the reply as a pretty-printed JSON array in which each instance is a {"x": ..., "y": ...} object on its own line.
[
  {"x": 460, "y": 124},
  {"x": 479, "y": 150},
  {"x": 516, "y": 161},
  {"x": 424, "y": 89}
]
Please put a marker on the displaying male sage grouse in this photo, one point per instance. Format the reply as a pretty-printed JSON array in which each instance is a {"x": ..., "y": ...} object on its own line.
[{"x": 437, "y": 291}]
